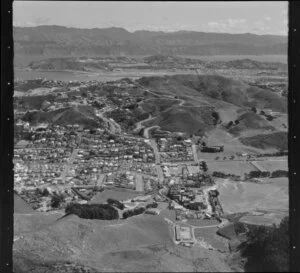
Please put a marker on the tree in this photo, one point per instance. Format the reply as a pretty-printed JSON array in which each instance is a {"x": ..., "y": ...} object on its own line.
[
  {"x": 56, "y": 200},
  {"x": 204, "y": 166},
  {"x": 267, "y": 248},
  {"x": 254, "y": 109},
  {"x": 230, "y": 123}
]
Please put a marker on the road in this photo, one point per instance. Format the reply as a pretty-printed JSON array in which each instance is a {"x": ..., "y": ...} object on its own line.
[
  {"x": 146, "y": 131},
  {"x": 68, "y": 165},
  {"x": 114, "y": 126},
  {"x": 139, "y": 126},
  {"x": 139, "y": 185},
  {"x": 194, "y": 149},
  {"x": 100, "y": 179},
  {"x": 155, "y": 150}
]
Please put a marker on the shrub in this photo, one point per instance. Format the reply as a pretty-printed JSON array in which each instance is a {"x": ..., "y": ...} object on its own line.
[
  {"x": 279, "y": 173},
  {"x": 136, "y": 211},
  {"x": 239, "y": 228},
  {"x": 56, "y": 201},
  {"x": 254, "y": 109},
  {"x": 93, "y": 211},
  {"x": 115, "y": 203},
  {"x": 152, "y": 205}
]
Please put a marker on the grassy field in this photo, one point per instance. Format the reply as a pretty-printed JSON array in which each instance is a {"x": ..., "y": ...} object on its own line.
[
  {"x": 273, "y": 165},
  {"x": 276, "y": 140},
  {"x": 209, "y": 236},
  {"x": 101, "y": 197},
  {"x": 246, "y": 196},
  {"x": 231, "y": 167},
  {"x": 266, "y": 219},
  {"x": 202, "y": 223}
]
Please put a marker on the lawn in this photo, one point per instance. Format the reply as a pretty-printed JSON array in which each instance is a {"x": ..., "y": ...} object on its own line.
[
  {"x": 209, "y": 235},
  {"x": 231, "y": 167},
  {"x": 272, "y": 165},
  {"x": 120, "y": 195}
]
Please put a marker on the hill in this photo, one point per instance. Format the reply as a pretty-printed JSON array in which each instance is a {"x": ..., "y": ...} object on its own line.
[
  {"x": 277, "y": 140},
  {"x": 60, "y": 64},
  {"x": 79, "y": 114},
  {"x": 185, "y": 119},
  {"x": 212, "y": 88},
  {"x": 62, "y": 41},
  {"x": 250, "y": 121},
  {"x": 138, "y": 244},
  {"x": 247, "y": 64},
  {"x": 21, "y": 206}
]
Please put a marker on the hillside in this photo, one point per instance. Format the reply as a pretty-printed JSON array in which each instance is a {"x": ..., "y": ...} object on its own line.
[
  {"x": 136, "y": 245},
  {"x": 82, "y": 115},
  {"x": 150, "y": 62},
  {"x": 250, "y": 121},
  {"x": 216, "y": 88},
  {"x": 184, "y": 119},
  {"x": 60, "y": 64},
  {"x": 62, "y": 41},
  {"x": 277, "y": 140}
]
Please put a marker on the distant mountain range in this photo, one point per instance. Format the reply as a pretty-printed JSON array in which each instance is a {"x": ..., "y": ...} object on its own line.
[{"x": 62, "y": 41}]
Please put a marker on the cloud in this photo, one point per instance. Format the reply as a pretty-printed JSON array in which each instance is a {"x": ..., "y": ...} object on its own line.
[
  {"x": 41, "y": 21},
  {"x": 229, "y": 25},
  {"x": 267, "y": 18},
  {"x": 35, "y": 22}
]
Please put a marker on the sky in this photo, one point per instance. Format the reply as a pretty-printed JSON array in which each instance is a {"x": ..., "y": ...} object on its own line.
[{"x": 230, "y": 17}]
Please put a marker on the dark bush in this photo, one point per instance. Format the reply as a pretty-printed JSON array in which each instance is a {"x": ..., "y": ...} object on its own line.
[
  {"x": 152, "y": 205},
  {"x": 267, "y": 249},
  {"x": 115, "y": 203},
  {"x": 136, "y": 211},
  {"x": 280, "y": 173},
  {"x": 254, "y": 109},
  {"x": 239, "y": 228},
  {"x": 56, "y": 201},
  {"x": 93, "y": 211}
]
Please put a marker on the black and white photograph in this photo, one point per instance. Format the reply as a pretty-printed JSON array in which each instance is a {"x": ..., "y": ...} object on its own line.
[{"x": 150, "y": 136}]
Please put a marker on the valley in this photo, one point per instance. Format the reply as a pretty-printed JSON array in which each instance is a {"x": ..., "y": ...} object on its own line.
[{"x": 125, "y": 169}]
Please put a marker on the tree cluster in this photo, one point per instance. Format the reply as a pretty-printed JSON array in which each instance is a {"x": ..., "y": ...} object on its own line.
[
  {"x": 152, "y": 205},
  {"x": 225, "y": 175},
  {"x": 267, "y": 249},
  {"x": 136, "y": 211},
  {"x": 93, "y": 211},
  {"x": 259, "y": 174},
  {"x": 115, "y": 203},
  {"x": 57, "y": 200}
]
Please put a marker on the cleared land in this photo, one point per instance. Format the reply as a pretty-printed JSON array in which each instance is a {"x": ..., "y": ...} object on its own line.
[
  {"x": 231, "y": 167},
  {"x": 246, "y": 196},
  {"x": 118, "y": 194},
  {"x": 273, "y": 165},
  {"x": 209, "y": 236}
]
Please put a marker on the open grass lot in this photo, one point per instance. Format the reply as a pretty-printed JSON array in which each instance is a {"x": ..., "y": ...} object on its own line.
[
  {"x": 202, "y": 223},
  {"x": 101, "y": 197},
  {"x": 266, "y": 219},
  {"x": 232, "y": 145},
  {"x": 167, "y": 213},
  {"x": 231, "y": 166},
  {"x": 273, "y": 165},
  {"x": 246, "y": 196},
  {"x": 210, "y": 236}
]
